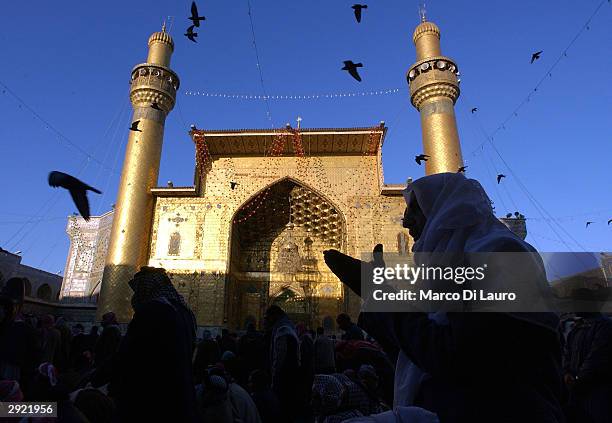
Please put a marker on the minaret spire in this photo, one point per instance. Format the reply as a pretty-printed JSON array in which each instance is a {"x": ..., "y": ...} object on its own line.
[
  {"x": 434, "y": 89},
  {"x": 152, "y": 83},
  {"x": 423, "y": 11}
]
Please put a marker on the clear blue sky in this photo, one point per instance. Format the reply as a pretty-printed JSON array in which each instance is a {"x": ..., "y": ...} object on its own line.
[{"x": 70, "y": 61}]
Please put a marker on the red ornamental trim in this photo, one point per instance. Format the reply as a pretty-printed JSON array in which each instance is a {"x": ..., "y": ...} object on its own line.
[
  {"x": 373, "y": 143},
  {"x": 202, "y": 153}
]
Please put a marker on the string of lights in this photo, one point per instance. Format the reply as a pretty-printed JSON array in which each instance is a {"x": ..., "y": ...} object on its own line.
[
  {"x": 319, "y": 96},
  {"x": 547, "y": 75}
]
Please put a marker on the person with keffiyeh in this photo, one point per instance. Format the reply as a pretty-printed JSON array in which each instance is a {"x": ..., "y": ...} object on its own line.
[{"x": 153, "y": 378}]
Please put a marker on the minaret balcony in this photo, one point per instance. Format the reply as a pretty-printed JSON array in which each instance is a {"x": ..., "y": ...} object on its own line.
[{"x": 432, "y": 77}]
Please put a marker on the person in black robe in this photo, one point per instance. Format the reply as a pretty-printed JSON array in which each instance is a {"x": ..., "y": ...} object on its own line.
[
  {"x": 587, "y": 366},
  {"x": 20, "y": 346},
  {"x": 466, "y": 367},
  {"x": 153, "y": 379},
  {"x": 284, "y": 359}
]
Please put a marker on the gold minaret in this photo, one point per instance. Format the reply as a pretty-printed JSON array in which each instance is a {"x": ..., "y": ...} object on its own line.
[
  {"x": 152, "y": 83},
  {"x": 434, "y": 89}
]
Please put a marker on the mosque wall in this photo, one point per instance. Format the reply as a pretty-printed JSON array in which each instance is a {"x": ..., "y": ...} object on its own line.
[{"x": 191, "y": 236}]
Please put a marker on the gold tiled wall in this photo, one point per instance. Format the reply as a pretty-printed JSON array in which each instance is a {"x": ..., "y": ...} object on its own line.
[{"x": 351, "y": 183}]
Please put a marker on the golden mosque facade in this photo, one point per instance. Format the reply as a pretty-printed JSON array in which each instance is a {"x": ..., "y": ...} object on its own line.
[{"x": 265, "y": 204}]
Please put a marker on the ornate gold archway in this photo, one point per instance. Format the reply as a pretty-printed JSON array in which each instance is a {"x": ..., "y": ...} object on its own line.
[{"x": 278, "y": 248}]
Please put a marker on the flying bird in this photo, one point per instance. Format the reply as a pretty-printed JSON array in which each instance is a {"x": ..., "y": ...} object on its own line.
[
  {"x": 352, "y": 69},
  {"x": 474, "y": 110},
  {"x": 357, "y": 8},
  {"x": 190, "y": 34},
  {"x": 420, "y": 158},
  {"x": 233, "y": 184},
  {"x": 78, "y": 190},
  {"x": 156, "y": 106},
  {"x": 195, "y": 18},
  {"x": 609, "y": 221},
  {"x": 134, "y": 126},
  {"x": 588, "y": 223},
  {"x": 500, "y": 177},
  {"x": 536, "y": 56},
  {"x": 461, "y": 169}
]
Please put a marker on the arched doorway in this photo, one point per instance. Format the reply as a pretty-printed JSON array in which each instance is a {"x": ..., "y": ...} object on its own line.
[
  {"x": 276, "y": 256},
  {"x": 44, "y": 292}
]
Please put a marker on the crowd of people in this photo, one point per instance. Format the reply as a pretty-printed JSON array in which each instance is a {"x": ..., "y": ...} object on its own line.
[{"x": 383, "y": 367}]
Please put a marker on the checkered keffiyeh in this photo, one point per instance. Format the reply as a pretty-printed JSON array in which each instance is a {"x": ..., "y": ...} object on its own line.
[{"x": 151, "y": 284}]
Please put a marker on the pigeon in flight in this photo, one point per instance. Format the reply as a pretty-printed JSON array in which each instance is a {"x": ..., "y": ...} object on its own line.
[
  {"x": 588, "y": 223},
  {"x": 156, "y": 106},
  {"x": 134, "y": 126},
  {"x": 195, "y": 18},
  {"x": 609, "y": 221},
  {"x": 420, "y": 158},
  {"x": 190, "y": 34},
  {"x": 536, "y": 56},
  {"x": 78, "y": 190},
  {"x": 461, "y": 169},
  {"x": 352, "y": 69},
  {"x": 233, "y": 184},
  {"x": 474, "y": 110},
  {"x": 500, "y": 177},
  {"x": 357, "y": 8}
]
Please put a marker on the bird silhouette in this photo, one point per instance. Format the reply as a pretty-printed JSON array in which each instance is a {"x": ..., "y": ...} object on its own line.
[
  {"x": 134, "y": 126},
  {"x": 420, "y": 158},
  {"x": 516, "y": 214},
  {"x": 357, "y": 8},
  {"x": 474, "y": 110},
  {"x": 190, "y": 34},
  {"x": 609, "y": 221},
  {"x": 352, "y": 69},
  {"x": 508, "y": 216},
  {"x": 78, "y": 190},
  {"x": 461, "y": 169},
  {"x": 536, "y": 56},
  {"x": 500, "y": 177},
  {"x": 156, "y": 106},
  {"x": 195, "y": 18},
  {"x": 233, "y": 184},
  {"x": 588, "y": 223}
]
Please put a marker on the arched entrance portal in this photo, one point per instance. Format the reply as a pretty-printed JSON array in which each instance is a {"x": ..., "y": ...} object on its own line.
[{"x": 276, "y": 257}]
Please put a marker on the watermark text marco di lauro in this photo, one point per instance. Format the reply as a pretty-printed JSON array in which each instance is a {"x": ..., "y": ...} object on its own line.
[{"x": 412, "y": 274}]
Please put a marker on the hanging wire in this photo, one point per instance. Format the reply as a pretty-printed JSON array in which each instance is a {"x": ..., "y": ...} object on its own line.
[
  {"x": 261, "y": 79},
  {"x": 122, "y": 142},
  {"x": 541, "y": 210},
  {"x": 40, "y": 215},
  {"x": 47, "y": 125},
  {"x": 547, "y": 74}
]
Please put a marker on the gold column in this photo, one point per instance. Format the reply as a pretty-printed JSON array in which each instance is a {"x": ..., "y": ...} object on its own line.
[
  {"x": 434, "y": 89},
  {"x": 151, "y": 82}
]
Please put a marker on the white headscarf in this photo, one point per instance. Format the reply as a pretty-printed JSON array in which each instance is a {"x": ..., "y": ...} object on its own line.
[
  {"x": 459, "y": 216},
  {"x": 459, "y": 219}
]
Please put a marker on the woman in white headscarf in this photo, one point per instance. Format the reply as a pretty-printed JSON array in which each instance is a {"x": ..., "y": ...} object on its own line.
[{"x": 467, "y": 367}]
